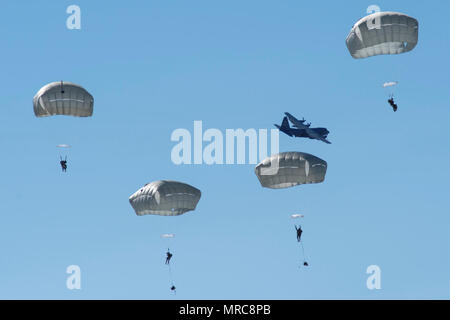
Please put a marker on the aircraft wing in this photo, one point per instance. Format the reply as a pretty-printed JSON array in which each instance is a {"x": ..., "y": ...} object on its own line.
[
  {"x": 325, "y": 140},
  {"x": 319, "y": 137},
  {"x": 295, "y": 122}
]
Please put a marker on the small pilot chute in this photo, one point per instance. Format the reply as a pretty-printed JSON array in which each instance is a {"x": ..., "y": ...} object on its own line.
[{"x": 390, "y": 84}]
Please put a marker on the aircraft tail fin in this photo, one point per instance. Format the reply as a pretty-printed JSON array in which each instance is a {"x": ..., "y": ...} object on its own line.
[{"x": 285, "y": 123}]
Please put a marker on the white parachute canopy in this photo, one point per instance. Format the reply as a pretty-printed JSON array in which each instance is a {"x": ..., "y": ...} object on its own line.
[
  {"x": 383, "y": 33},
  {"x": 168, "y": 235},
  {"x": 63, "y": 146},
  {"x": 296, "y": 216},
  {"x": 288, "y": 169},
  {"x": 63, "y": 98},
  {"x": 390, "y": 84},
  {"x": 165, "y": 198}
]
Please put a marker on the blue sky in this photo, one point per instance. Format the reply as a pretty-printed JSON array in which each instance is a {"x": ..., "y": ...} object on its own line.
[{"x": 156, "y": 66}]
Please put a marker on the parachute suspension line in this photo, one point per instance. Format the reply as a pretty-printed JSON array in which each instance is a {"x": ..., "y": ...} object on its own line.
[
  {"x": 303, "y": 252},
  {"x": 170, "y": 275}
]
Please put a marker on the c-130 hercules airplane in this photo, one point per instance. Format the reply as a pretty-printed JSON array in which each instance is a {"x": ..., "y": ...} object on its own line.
[{"x": 302, "y": 130}]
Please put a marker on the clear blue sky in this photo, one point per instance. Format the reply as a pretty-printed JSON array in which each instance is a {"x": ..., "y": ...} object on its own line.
[{"x": 155, "y": 66}]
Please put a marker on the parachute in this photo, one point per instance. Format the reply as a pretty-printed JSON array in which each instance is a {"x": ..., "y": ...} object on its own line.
[
  {"x": 63, "y": 98},
  {"x": 383, "y": 33},
  {"x": 390, "y": 84},
  {"x": 165, "y": 198},
  {"x": 296, "y": 216},
  {"x": 167, "y": 236},
  {"x": 288, "y": 169}
]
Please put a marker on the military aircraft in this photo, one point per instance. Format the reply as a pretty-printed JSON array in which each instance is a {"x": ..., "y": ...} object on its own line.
[{"x": 302, "y": 130}]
